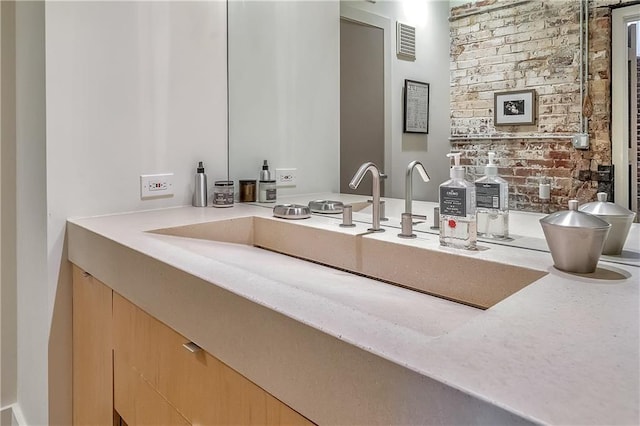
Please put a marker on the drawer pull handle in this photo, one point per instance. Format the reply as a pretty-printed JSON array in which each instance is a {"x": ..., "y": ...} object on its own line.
[{"x": 191, "y": 347}]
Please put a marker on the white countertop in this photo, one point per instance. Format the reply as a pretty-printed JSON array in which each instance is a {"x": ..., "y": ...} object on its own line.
[{"x": 563, "y": 350}]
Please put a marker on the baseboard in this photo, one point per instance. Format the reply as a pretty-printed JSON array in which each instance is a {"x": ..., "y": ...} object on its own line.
[{"x": 12, "y": 416}]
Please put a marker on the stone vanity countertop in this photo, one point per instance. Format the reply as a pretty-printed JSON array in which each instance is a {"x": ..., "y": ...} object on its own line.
[{"x": 342, "y": 348}]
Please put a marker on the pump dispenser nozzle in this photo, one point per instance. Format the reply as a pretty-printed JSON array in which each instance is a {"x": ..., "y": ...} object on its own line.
[
  {"x": 456, "y": 157},
  {"x": 491, "y": 169},
  {"x": 457, "y": 171}
]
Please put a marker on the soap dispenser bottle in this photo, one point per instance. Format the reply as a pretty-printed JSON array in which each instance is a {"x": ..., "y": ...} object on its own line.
[
  {"x": 266, "y": 185},
  {"x": 200, "y": 192},
  {"x": 458, "y": 209},
  {"x": 492, "y": 203}
]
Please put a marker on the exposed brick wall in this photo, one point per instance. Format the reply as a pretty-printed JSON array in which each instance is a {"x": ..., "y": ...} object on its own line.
[{"x": 532, "y": 44}]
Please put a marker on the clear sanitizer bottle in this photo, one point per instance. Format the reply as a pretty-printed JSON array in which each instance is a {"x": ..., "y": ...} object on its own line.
[
  {"x": 458, "y": 209},
  {"x": 492, "y": 203}
]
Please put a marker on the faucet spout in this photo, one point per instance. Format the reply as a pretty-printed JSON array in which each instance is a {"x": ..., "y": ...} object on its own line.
[
  {"x": 355, "y": 182},
  {"x": 408, "y": 187}
]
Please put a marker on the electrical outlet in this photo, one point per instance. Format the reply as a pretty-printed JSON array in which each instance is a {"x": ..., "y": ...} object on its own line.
[
  {"x": 286, "y": 177},
  {"x": 153, "y": 186}
]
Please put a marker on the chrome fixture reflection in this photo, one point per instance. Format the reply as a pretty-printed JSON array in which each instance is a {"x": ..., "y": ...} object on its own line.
[
  {"x": 408, "y": 186},
  {"x": 355, "y": 182}
]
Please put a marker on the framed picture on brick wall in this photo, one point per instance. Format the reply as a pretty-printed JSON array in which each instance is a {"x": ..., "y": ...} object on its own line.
[{"x": 514, "y": 108}]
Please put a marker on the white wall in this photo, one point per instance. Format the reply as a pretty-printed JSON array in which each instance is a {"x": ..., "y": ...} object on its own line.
[
  {"x": 32, "y": 318},
  {"x": 8, "y": 311},
  {"x": 284, "y": 91},
  {"x": 131, "y": 88},
  {"x": 284, "y": 87}
]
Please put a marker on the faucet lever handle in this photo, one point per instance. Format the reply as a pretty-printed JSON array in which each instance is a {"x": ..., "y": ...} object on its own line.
[
  {"x": 383, "y": 175},
  {"x": 419, "y": 217}
]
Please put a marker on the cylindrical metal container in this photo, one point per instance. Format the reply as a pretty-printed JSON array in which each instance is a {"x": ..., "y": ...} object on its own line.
[
  {"x": 575, "y": 239},
  {"x": 200, "y": 191},
  {"x": 619, "y": 218}
]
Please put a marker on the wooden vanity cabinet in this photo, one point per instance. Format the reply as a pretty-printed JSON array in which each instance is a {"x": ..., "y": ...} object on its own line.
[
  {"x": 156, "y": 376},
  {"x": 92, "y": 351}
]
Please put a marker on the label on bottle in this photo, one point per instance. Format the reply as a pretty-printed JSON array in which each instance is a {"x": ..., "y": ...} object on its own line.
[
  {"x": 453, "y": 201},
  {"x": 271, "y": 194},
  {"x": 488, "y": 195}
]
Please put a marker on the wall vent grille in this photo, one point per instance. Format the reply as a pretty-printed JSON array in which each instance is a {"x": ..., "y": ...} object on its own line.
[{"x": 406, "y": 38}]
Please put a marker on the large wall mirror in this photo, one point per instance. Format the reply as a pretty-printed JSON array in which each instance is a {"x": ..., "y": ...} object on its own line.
[
  {"x": 291, "y": 104},
  {"x": 298, "y": 94}
]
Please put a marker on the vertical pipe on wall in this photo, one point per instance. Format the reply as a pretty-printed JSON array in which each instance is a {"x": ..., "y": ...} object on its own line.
[
  {"x": 586, "y": 42},
  {"x": 586, "y": 101},
  {"x": 226, "y": 8},
  {"x": 581, "y": 62},
  {"x": 584, "y": 66}
]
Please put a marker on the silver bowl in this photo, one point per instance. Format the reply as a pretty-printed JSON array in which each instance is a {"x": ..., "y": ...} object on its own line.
[
  {"x": 326, "y": 206},
  {"x": 575, "y": 239},
  {"x": 291, "y": 211},
  {"x": 619, "y": 218}
]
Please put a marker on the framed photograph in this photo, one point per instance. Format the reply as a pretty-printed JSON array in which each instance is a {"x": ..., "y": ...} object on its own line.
[
  {"x": 514, "y": 108},
  {"x": 416, "y": 107}
]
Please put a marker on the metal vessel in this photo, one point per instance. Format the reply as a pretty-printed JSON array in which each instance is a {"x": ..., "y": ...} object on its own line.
[
  {"x": 575, "y": 239},
  {"x": 619, "y": 218},
  {"x": 291, "y": 211}
]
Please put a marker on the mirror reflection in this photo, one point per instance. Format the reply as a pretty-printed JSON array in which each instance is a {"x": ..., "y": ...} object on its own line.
[
  {"x": 292, "y": 102},
  {"x": 289, "y": 103}
]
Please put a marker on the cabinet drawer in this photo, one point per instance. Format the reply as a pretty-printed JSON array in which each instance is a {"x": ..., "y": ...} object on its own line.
[
  {"x": 202, "y": 388},
  {"x": 137, "y": 402}
]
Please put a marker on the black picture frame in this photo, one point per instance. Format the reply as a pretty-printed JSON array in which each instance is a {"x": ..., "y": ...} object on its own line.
[{"x": 416, "y": 107}]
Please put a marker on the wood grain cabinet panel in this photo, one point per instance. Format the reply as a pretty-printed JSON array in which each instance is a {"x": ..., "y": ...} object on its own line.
[
  {"x": 200, "y": 387},
  {"x": 128, "y": 362},
  {"x": 92, "y": 359},
  {"x": 138, "y": 403}
]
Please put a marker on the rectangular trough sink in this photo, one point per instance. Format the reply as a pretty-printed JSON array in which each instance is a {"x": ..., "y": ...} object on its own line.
[{"x": 474, "y": 282}]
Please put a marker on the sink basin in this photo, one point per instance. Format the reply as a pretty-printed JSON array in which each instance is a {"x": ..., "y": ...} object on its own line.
[{"x": 475, "y": 282}]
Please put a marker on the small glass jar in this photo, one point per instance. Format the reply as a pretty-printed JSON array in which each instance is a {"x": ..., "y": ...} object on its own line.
[
  {"x": 267, "y": 191},
  {"x": 223, "y": 193},
  {"x": 247, "y": 190}
]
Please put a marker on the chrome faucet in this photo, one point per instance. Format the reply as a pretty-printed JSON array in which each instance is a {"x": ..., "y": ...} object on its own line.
[
  {"x": 408, "y": 186},
  {"x": 355, "y": 182},
  {"x": 408, "y": 216}
]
